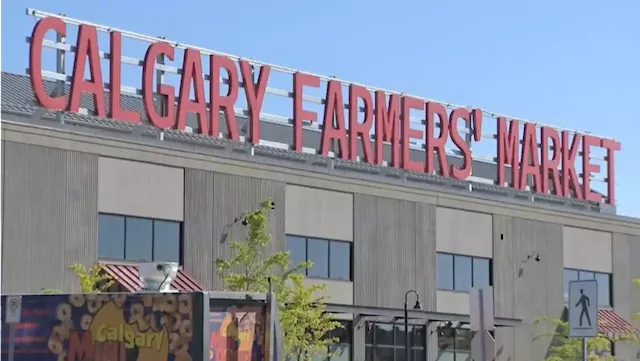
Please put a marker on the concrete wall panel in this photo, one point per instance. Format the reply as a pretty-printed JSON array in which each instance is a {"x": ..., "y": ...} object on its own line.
[
  {"x": 529, "y": 289},
  {"x": 463, "y": 232},
  {"x": 320, "y": 213},
  {"x": 49, "y": 218},
  {"x": 140, "y": 189},
  {"x": 339, "y": 292},
  {"x": 453, "y": 302},
  {"x": 587, "y": 249}
]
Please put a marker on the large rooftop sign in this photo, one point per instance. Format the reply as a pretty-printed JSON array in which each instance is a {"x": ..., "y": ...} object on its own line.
[{"x": 356, "y": 122}]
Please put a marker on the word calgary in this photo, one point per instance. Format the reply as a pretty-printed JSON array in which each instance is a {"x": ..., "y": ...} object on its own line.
[{"x": 386, "y": 114}]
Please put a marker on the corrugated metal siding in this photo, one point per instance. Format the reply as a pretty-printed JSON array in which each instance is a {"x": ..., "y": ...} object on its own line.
[
  {"x": 50, "y": 218},
  {"x": 625, "y": 268},
  {"x": 210, "y": 211},
  {"x": 198, "y": 241},
  {"x": 394, "y": 251},
  {"x": 528, "y": 290}
]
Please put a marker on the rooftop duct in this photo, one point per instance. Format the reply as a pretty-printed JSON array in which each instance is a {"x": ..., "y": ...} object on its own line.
[{"x": 157, "y": 276}]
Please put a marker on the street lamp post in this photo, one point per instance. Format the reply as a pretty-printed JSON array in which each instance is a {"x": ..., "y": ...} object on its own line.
[{"x": 417, "y": 306}]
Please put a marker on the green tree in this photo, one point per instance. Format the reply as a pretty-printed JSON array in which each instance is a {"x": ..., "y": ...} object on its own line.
[
  {"x": 565, "y": 348},
  {"x": 303, "y": 318},
  {"x": 92, "y": 279}
]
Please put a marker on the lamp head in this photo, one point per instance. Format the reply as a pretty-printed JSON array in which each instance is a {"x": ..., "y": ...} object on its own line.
[{"x": 417, "y": 306}]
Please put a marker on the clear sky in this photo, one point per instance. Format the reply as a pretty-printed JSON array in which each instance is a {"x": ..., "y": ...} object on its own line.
[{"x": 573, "y": 64}]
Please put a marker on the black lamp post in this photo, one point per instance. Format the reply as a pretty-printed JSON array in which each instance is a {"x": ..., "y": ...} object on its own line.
[{"x": 417, "y": 306}]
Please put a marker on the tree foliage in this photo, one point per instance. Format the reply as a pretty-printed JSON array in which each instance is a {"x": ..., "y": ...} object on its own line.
[
  {"x": 92, "y": 279},
  {"x": 250, "y": 268},
  {"x": 565, "y": 348}
]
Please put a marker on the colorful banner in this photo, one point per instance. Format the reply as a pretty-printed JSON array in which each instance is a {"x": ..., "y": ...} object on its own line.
[
  {"x": 237, "y": 333},
  {"x": 103, "y": 327}
]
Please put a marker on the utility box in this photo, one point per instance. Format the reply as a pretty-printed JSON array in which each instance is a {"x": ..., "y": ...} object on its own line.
[{"x": 146, "y": 326}]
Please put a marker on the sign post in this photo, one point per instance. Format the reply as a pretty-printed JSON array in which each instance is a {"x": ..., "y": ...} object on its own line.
[
  {"x": 482, "y": 322},
  {"x": 12, "y": 316},
  {"x": 583, "y": 311}
]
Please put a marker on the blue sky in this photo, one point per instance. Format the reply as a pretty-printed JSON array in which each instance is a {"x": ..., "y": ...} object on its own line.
[{"x": 572, "y": 64}]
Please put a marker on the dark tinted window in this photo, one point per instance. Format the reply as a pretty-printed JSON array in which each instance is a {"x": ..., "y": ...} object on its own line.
[
  {"x": 110, "y": 236},
  {"x": 462, "y": 273},
  {"x": 387, "y": 341},
  {"x": 603, "y": 279},
  {"x": 603, "y": 289},
  {"x": 298, "y": 248},
  {"x": 340, "y": 260},
  {"x": 318, "y": 254},
  {"x": 569, "y": 275},
  {"x": 138, "y": 239},
  {"x": 445, "y": 271},
  {"x": 481, "y": 272},
  {"x": 166, "y": 241},
  {"x": 329, "y": 258},
  {"x": 586, "y": 275}
]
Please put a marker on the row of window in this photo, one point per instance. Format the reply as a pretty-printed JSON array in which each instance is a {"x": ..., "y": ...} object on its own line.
[
  {"x": 386, "y": 342},
  {"x": 461, "y": 273},
  {"x": 142, "y": 240},
  {"x": 138, "y": 239},
  {"x": 603, "y": 280},
  {"x": 329, "y": 258}
]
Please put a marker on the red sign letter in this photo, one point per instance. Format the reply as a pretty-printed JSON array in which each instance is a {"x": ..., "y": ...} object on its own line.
[
  {"x": 550, "y": 166},
  {"x": 87, "y": 45},
  {"x": 333, "y": 127},
  {"x": 360, "y": 129},
  {"x": 255, "y": 95},
  {"x": 465, "y": 170},
  {"x": 226, "y": 102},
  {"x": 299, "y": 114},
  {"x": 387, "y": 127},
  {"x": 409, "y": 103},
  {"x": 529, "y": 162},
  {"x": 192, "y": 71},
  {"x": 588, "y": 168},
  {"x": 116, "y": 111},
  {"x": 168, "y": 91},
  {"x": 438, "y": 144},
  {"x": 35, "y": 62},
  {"x": 568, "y": 165},
  {"x": 611, "y": 146},
  {"x": 508, "y": 151}
]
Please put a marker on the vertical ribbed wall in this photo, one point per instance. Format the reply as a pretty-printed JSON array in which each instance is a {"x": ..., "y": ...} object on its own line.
[
  {"x": 394, "y": 252},
  {"x": 212, "y": 202},
  {"x": 526, "y": 290},
  {"x": 626, "y": 296},
  {"x": 49, "y": 216}
]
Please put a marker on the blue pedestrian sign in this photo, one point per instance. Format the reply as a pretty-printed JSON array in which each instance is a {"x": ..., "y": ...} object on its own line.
[{"x": 583, "y": 308}]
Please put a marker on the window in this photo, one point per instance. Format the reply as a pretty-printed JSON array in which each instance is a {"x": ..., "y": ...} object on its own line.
[
  {"x": 461, "y": 273},
  {"x": 329, "y": 258},
  {"x": 340, "y": 350},
  {"x": 454, "y": 341},
  {"x": 138, "y": 239},
  {"x": 386, "y": 342},
  {"x": 603, "y": 279}
]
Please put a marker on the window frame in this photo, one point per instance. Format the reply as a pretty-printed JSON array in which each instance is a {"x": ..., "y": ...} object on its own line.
[
  {"x": 453, "y": 270},
  {"x": 398, "y": 347},
  {"x": 124, "y": 217},
  {"x": 595, "y": 273},
  {"x": 329, "y": 242}
]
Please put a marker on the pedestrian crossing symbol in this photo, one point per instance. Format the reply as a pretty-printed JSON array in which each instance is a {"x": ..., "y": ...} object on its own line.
[{"x": 583, "y": 308}]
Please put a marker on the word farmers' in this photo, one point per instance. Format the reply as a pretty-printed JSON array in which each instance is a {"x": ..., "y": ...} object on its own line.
[{"x": 547, "y": 157}]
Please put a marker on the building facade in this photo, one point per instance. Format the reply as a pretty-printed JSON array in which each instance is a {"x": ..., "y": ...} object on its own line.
[{"x": 82, "y": 188}]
